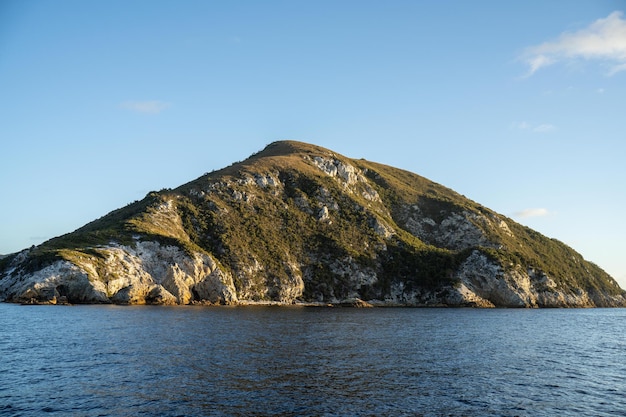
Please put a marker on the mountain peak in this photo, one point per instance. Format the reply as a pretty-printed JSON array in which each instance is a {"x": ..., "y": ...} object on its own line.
[{"x": 288, "y": 147}]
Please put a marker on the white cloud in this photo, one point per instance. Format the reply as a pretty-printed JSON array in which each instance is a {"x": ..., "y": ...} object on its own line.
[
  {"x": 544, "y": 127},
  {"x": 603, "y": 40},
  {"x": 148, "y": 106},
  {"x": 532, "y": 212},
  {"x": 617, "y": 68},
  {"x": 541, "y": 128}
]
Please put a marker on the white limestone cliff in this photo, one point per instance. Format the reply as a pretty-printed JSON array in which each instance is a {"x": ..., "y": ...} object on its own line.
[{"x": 148, "y": 273}]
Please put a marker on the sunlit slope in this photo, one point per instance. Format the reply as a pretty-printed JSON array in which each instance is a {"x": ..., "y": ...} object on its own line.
[{"x": 300, "y": 223}]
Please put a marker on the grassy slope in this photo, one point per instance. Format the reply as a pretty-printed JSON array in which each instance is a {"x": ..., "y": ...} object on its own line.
[{"x": 272, "y": 229}]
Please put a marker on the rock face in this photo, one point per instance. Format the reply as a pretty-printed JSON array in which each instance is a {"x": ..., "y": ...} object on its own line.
[
  {"x": 147, "y": 273},
  {"x": 297, "y": 223}
]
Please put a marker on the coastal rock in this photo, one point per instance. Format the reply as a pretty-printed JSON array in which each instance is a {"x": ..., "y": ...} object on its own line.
[
  {"x": 216, "y": 288},
  {"x": 148, "y": 273},
  {"x": 45, "y": 286}
]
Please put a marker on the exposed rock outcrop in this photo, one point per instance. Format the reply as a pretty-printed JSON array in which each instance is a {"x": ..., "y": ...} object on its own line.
[
  {"x": 297, "y": 223},
  {"x": 147, "y": 273}
]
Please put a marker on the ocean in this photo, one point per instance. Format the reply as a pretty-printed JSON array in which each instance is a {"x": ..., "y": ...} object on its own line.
[{"x": 307, "y": 361}]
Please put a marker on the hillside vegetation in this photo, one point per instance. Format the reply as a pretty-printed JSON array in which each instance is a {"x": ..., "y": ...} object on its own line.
[{"x": 300, "y": 223}]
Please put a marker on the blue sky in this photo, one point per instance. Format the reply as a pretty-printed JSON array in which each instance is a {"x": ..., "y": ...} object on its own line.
[{"x": 517, "y": 105}]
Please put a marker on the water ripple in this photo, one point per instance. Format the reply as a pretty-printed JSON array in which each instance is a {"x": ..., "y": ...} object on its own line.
[{"x": 111, "y": 361}]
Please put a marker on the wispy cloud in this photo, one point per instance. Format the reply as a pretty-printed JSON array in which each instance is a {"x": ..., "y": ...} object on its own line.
[
  {"x": 540, "y": 128},
  {"x": 532, "y": 212},
  {"x": 603, "y": 40},
  {"x": 544, "y": 127},
  {"x": 147, "y": 106}
]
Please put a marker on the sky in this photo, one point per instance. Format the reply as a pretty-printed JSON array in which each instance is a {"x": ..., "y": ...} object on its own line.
[{"x": 520, "y": 106}]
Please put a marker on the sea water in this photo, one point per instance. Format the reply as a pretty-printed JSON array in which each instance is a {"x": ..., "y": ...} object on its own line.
[{"x": 296, "y": 361}]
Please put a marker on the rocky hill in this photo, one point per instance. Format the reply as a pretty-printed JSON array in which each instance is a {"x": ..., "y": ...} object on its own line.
[{"x": 297, "y": 223}]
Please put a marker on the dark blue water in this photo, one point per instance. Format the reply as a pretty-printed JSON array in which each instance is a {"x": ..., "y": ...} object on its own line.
[{"x": 269, "y": 361}]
